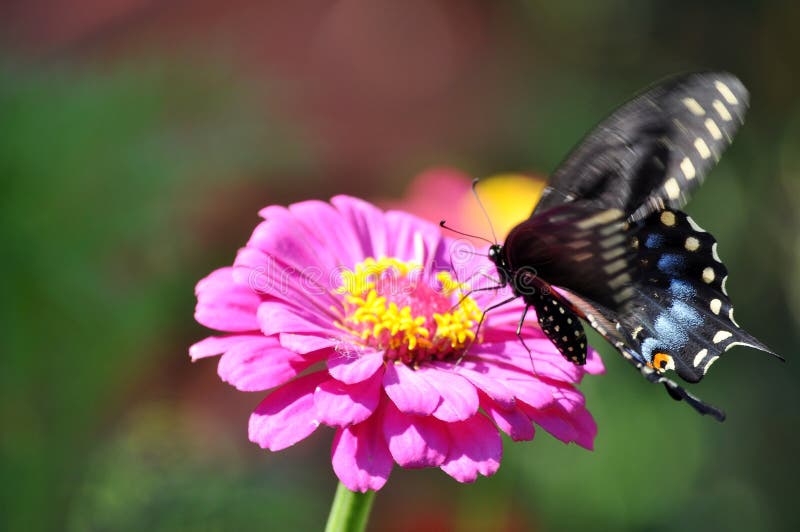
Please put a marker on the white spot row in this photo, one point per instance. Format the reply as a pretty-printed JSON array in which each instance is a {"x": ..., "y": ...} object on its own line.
[{"x": 672, "y": 188}]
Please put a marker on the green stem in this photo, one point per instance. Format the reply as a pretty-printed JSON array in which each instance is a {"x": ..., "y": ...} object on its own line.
[{"x": 349, "y": 511}]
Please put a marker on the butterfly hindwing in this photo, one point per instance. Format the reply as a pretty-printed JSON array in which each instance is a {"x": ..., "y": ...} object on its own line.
[
  {"x": 653, "y": 151},
  {"x": 680, "y": 315}
]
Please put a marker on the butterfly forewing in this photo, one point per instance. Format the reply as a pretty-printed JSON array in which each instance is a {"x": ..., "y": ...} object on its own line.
[
  {"x": 654, "y": 150},
  {"x": 577, "y": 247}
]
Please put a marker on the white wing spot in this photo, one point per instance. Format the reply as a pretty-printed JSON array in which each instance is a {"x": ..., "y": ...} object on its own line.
[
  {"x": 636, "y": 331},
  {"x": 612, "y": 241},
  {"x": 726, "y": 93},
  {"x": 615, "y": 266},
  {"x": 712, "y": 128},
  {"x": 692, "y": 244},
  {"x": 730, "y": 317},
  {"x": 724, "y": 282},
  {"x": 688, "y": 168},
  {"x": 733, "y": 344},
  {"x": 721, "y": 336},
  {"x": 714, "y": 252},
  {"x": 711, "y": 361},
  {"x": 668, "y": 218},
  {"x": 578, "y": 244},
  {"x": 698, "y": 358},
  {"x": 619, "y": 281},
  {"x": 613, "y": 254},
  {"x": 625, "y": 293},
  {"x": 694, "y": 225},
  {"x": 708, "y": 275},
  {"x": 672, "y": 188},
  {"x": 702, "y": 148},
  {"x": 722, "y": 111},
  {"x": 694, "y": 107},
  {"x": 601, "y": 218},
  {"x": 715, "y": 305}
]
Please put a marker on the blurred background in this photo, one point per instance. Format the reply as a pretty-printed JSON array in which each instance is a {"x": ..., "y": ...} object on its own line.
[{"x": 138, "y": 139}]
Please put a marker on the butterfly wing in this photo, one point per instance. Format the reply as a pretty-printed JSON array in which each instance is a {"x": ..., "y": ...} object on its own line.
[
  {"x": 654, "y": 150},
  {"x": 680, "y": 316},
  {"x": 577, "y": 247}
]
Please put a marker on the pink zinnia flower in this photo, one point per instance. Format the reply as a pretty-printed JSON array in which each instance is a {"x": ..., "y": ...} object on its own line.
[{"x": 358, "y": 321}]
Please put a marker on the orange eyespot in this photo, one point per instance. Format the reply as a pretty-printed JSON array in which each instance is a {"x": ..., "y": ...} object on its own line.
[{"x": 661, "y": 362}]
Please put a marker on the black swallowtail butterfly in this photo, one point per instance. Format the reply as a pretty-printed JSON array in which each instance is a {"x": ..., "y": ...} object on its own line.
[{"x": 609, "y": 233}]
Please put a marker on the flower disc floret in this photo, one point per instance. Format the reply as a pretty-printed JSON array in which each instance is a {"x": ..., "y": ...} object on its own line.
[{"x": 388, "y": 307}]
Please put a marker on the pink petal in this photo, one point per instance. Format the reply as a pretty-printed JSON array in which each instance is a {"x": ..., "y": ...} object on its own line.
[
  {"x": 475, "y": 448},
  {"x": 512, "y": 421},
  {"x": 328, "y": 225},
  {"x": 553, "y": 422},
  {"x": 368, "y": 223},
  {"x": 261, "y": 364},
  {"x": 481, "y": 376},
  {"x": 526, "y": 387},
  {"x": 340, "y": 405},
  {"x": 413, "y": 239},
  {"x": 281, "y": 236},
  {"x": 307, "y": 288},
  {"x": 459, "y": 396},
  {"x": 412, "y": 393},
  {"x": 586, "y": 427},
  {"x": 355, "y": 368},
  {"x": 214, "y": 345},
  {"x": 288, "y": 414},
  {"x": 360, "y": 456},
  {"x": 414, "y": 441},
  {"x": 568, "y": 421},
  {"x": 278, "y": 317},
  {"x": 305, "y": 343},
  {"x": 224, "y": 305},
  {"x": 594, "y": 364},
  {"x": 547, "y": 362}
]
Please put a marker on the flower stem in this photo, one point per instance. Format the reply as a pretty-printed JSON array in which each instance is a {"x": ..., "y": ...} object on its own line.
[{"x": 349, "y": 511}]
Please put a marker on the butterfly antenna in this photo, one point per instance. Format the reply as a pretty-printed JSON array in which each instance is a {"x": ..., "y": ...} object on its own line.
[
  {"x": 443, "y": 224},
  {"x": 485, "y": 213}
]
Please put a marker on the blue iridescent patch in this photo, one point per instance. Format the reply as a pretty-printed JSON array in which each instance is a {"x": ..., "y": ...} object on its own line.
[
  {"x": 671, "y": 264},
  {"x": 654, "y": 240}
]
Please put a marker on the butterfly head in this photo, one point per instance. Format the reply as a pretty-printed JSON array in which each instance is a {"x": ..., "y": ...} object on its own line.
[{"x": 497, "y": 255}]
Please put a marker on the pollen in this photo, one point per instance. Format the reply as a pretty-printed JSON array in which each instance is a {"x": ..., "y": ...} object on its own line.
[{"x": 389, "y": 306}]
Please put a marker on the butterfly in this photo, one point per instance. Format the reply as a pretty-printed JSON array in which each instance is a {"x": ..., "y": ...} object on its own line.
[{"x": 609, "y": 233}]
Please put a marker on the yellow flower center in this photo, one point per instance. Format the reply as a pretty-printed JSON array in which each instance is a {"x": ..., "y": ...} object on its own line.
[{"x": 390, "y": 306}]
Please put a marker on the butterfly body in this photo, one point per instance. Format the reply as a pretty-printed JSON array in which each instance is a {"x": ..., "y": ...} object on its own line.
[{"x": 608, "y": 232}]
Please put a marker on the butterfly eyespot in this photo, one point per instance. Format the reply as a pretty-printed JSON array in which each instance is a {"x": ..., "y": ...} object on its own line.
[{"x": 662, "y": 362}]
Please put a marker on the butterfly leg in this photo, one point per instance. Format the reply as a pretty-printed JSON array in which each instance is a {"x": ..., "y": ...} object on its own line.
[
  {"x": 480, "y": 324},
  {"x": 522, "y": 340},
  {"x": 484, "y": 289}
]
